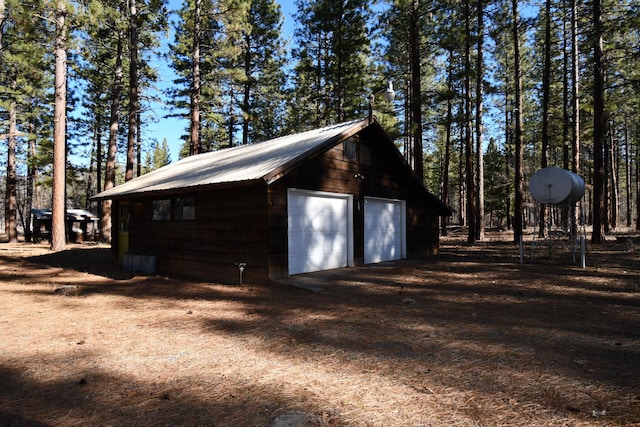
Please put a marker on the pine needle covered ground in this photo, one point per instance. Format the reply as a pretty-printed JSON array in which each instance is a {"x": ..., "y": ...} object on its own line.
[{"x": 469, "y": 338}]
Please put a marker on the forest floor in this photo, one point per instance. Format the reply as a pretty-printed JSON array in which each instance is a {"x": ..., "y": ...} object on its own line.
[{"x": 471, "y": 337}]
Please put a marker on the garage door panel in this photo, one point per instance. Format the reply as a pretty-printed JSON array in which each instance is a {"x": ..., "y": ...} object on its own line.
[
  {"x": 384, "y": 231},
  {"x": 318, "y": 231},
  {"x": 319, "y": 216}
]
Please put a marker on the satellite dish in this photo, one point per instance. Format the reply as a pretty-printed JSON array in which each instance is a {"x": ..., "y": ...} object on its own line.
[{"x": 555, "y": 186}]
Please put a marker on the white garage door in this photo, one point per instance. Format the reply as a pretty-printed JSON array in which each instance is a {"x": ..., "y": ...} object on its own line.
[
  {"x": 320, "y": 231},
  {"x": 384, "y": 230}
]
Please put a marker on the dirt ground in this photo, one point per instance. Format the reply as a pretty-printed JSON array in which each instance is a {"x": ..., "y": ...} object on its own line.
[{"x": 469, "y": 338}]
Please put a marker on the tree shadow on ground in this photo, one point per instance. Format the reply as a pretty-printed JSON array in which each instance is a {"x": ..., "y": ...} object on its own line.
[
  {"x": 478, "y": 324},
  {"x": 102, "y": 398},
  {"x": 93, "y": 260}
]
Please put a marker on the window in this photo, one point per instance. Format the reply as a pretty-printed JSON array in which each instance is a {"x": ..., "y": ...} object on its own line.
[
  {"x": 178, "y": 209},
  {"x": 161, "y": 210},
  {"x": 355, "y": 150},
  {"x": 351, "y": 150},
  {"x": 124, "y": 216},
  {"x": 184, "y": 209}
]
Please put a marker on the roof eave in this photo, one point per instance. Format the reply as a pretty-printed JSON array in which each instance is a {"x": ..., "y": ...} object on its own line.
[
  {"x": 177, "y": 190},
  {"x": 278, "y": 173},
  {"x": 441, "y": 208}
]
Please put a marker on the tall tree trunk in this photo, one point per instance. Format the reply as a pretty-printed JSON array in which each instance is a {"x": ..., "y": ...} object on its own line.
[
  {"x": 575, "y": 90},
  {"x": 408, "y": 146},
  {"x": 568, "y": 216},
  {"x": 340, "y": 81},
  {"x": 7, "y": 200},
  {"x": 58, "y": 208},
  {"x": 134, "y": 102},
  {"x": 194, "y": 134},
  {"x": 444, "y": 193},
  {"x": 519, "y": 146},
  {"x": 546, "y": 87},
  {"x": 31, "y": 179},
  {"x": 637, "y": 161},
  {"x": 317, "y": 82},
  {"x": 90, "y": 184},
  {"x": 138, "y": 144},
  {"x": 326, "y": 67},
  {"x": 507, "y": 160},
  {"x": 613, "y": 171},
  {"x": 599, "y": 126},
  {"x": 99, "y": 161},
  {"x": 246, "y": 114},
  {"x": 10, "y": 201},
  {"x": 565, "y": 92},
  {"x": 627, "y": 169},
  {"x": 575, "y": 105},
  {"x": 461, "y": 177},
  {"x": 232, "y": 118},
  {"x": 112, "y": 149},
  {"x": 468, "y": 145},
  {"x": 479, "y": 125},
  {"x": 3, "y": 8},
  {"x": 606, "y": 189},
  {"x": 416, "y": 91}
]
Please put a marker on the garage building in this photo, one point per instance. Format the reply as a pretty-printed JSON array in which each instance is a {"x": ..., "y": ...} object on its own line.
[{"x": 333, "y": 197}]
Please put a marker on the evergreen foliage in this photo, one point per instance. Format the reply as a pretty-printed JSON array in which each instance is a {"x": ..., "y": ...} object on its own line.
[
  {"x": 332, "y": 63},
  {"x": 252, "y": 86}
]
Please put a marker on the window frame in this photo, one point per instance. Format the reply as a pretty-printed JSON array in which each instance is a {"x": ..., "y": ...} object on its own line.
[{"x": 161, "y": 210}]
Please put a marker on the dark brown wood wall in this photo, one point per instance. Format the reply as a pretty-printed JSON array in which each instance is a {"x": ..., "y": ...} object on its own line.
[
  {"x": 248, "y": 223},
  {"x": 230, "y": 227}
]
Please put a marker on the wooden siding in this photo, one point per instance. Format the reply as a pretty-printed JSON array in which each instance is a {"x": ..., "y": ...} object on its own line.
[
  {"x": 229, "y": 228},
  {"x": 248, "y": 223},
  {"x": 381, "y": 173}
]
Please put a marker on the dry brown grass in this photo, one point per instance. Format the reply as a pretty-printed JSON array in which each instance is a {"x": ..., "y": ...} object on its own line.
[{"x": 470, "y": 338}]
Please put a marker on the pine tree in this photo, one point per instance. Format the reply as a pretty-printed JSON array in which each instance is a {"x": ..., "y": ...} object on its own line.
[
  {"x": 468, "y": 124},
  {"x": 479, "y": 119},
  {"x": 104, "y": 56},
  {"x": 599, "y": 125},
  {"x": 194, "y": 125},
  {"x": 206, "y": 96},
  {"x": 157, "y": 157},
  {"x": 546, "y": 96},
  {"x": 413, "y": 56},
  {"x": 518, "y": 219},
  {"x": 415, "y": 103},
  {"x": 25, "y": 85},
  {"x": 575, "y": 93},
  {"x": 264, "y": 79},
  {"x": 134, "y": 93},
  {"x": 103, "y": 62},
  {"x": 58, "y": 206},
  {"x": 100, "y": 67},
  {"x": 332, "y": 62},
  {"x": 497, "y": 185},
  {"x": 231, "y": 70},
  {"x": 146, "y": 20},
  {"x": 622, "y": 105}
]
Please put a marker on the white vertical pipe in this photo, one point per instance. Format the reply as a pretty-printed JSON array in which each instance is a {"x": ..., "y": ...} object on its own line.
[{"x": 521, "y": 250}]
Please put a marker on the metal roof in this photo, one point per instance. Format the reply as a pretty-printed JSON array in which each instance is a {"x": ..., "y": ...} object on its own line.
[{"x": 266, "y": 160}]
